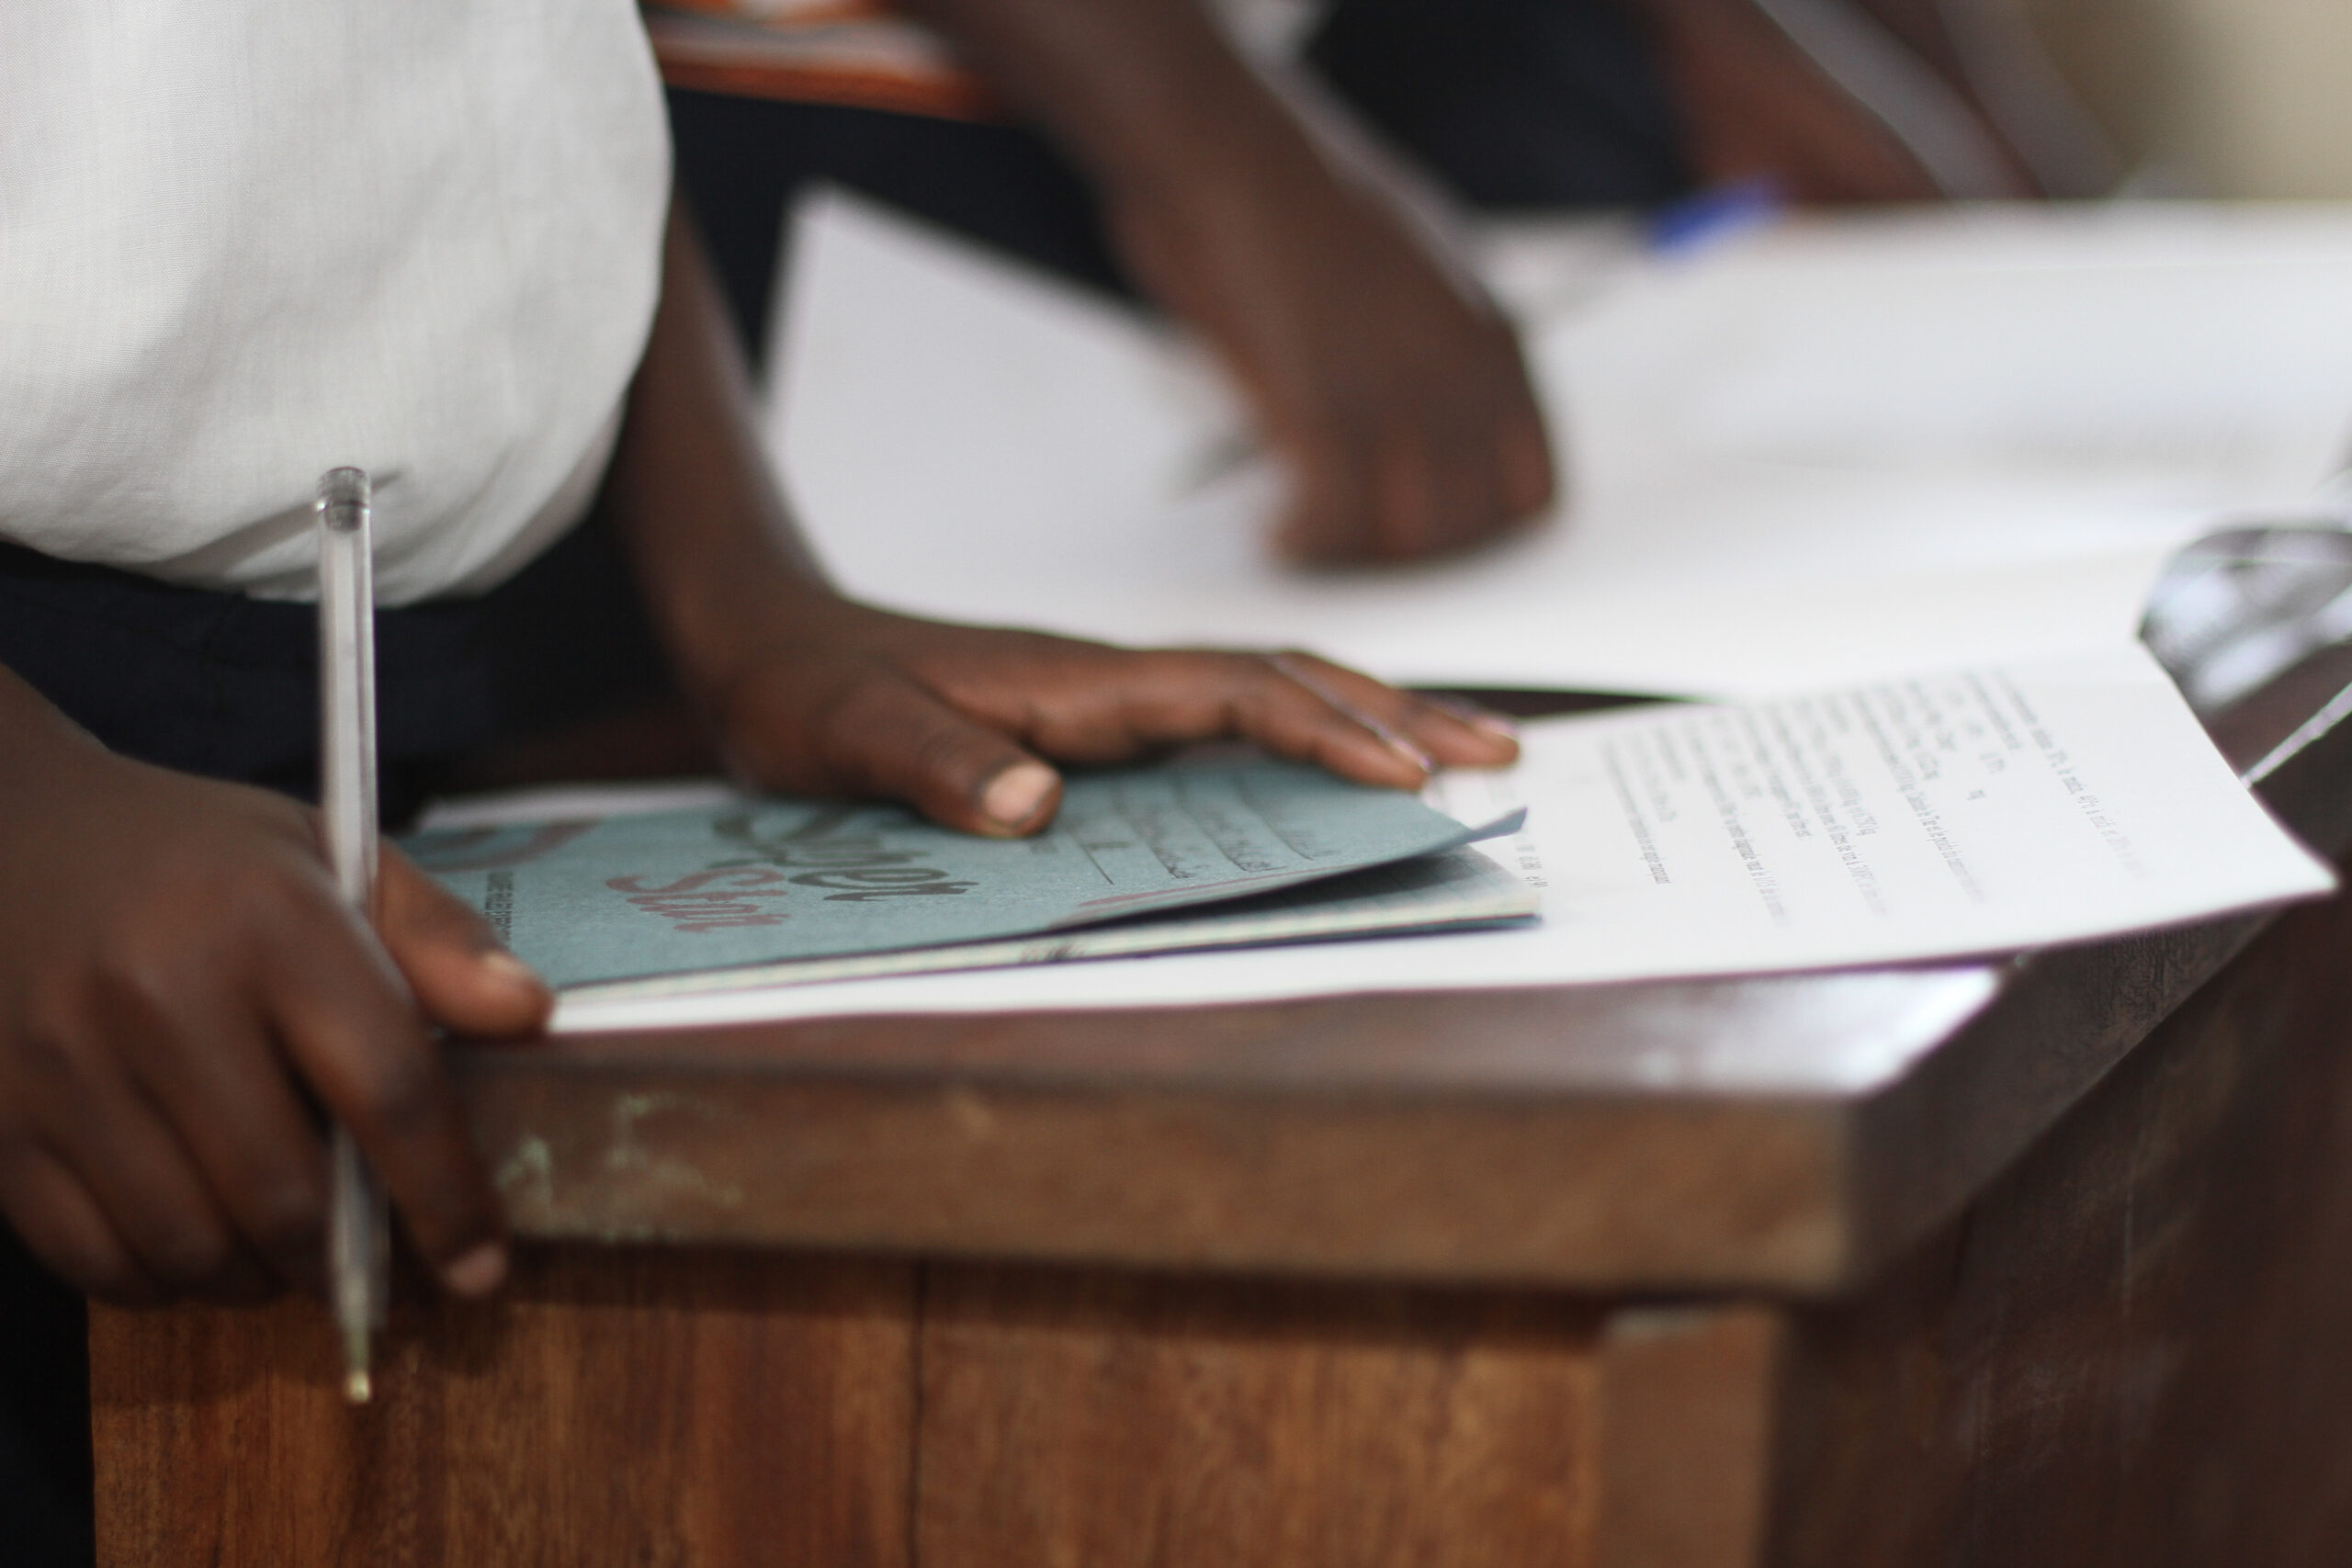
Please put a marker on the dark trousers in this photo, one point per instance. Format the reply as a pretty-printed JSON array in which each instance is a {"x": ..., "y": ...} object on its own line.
[{"x": 219, "y": 684}]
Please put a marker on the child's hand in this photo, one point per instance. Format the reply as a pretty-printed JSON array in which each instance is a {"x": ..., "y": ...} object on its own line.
[
  {"x": 1398, "y": 400},
  {"x": 1402, "y": 407},
  {"x": 179, "y": 987},
  {"x": 957, "y": 719},
  {"x": 816, "y": 695}
]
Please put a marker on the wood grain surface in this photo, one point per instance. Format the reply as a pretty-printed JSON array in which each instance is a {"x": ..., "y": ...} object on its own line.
[
  {"x": 2128, "y": 1348},
  {"x": 1689, "y": 1403},
  {"x": 614, "y": 1406},
  {"x": 1124, "y": 1421},
  {"x": 2132, "y": 1347}
]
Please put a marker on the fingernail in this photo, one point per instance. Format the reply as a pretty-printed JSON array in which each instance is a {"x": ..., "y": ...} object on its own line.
[
  {"x": 507, "y": 967},
  {"x": 1016, "y": 795},
  {"x": 478, "y": 1272}
]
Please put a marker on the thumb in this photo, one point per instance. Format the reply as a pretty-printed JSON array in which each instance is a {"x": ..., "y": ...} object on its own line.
[
  {"x": 462, "y": 976},
  {"x": 894, "y": 738}
]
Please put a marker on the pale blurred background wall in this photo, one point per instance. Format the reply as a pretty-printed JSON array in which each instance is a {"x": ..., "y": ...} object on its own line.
[{"x": 2221, "y": 97}]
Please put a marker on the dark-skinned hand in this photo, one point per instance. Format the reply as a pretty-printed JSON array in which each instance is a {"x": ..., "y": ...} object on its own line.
[
  {"x": 964, "y": 722},
  {"x": 1395, "y": 395},
  {"x": 182, "y": 992},
  {"x": 184, "y": 997},
  {"x": 1401, "y": 406},
  {"x": 812, "y": 693}
]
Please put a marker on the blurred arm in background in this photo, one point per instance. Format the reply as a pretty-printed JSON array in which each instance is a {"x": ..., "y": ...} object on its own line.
[
  {"x": 1874, "y": 100},
  {"x": 1292, "y": 213},
  {"x": 1391, "y": 385}
]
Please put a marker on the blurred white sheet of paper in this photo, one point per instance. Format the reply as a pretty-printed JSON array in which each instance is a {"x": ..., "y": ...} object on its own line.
[
  {"x": 1836, "y": 448},
  {"x": 1996, "y": 809}
]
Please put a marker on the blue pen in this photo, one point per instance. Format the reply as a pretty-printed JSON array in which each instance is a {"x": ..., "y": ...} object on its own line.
[{"x": 1720, "y": 213}]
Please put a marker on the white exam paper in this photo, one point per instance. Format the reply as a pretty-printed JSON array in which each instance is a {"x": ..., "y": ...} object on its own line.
[
  {"x": 1837, "y": 449},
  {"x": 2006, "y": 807}
]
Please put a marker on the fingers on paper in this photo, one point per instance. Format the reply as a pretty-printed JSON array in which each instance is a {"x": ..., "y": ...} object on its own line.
[
  {"x": 966, "y": 725},
  {"x": 1110, "y": 706},
  {"x": 1438, "y": 732},
  {"x": 1309, "y": 722},
  {"x": 888, "y": 735}
]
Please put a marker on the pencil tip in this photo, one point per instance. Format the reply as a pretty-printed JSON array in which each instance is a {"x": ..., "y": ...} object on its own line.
[{"x": 358, "y": 1388}]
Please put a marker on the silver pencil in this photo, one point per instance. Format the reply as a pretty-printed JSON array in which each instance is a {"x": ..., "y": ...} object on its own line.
[{"x": 358, "y": 1223}]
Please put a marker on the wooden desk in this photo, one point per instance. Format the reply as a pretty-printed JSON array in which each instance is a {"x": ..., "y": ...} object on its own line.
[{"x": 2043, "y": 1262}]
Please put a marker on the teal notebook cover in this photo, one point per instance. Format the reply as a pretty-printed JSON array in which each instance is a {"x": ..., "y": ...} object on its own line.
[{"x": 763, "y": 884}]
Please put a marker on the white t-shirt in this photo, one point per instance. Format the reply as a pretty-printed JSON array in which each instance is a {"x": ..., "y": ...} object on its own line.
[{"x": 246, "y": 241}]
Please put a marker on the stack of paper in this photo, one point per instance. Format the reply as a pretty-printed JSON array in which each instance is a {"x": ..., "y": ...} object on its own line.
[
  {"x": 1832, "y": 450},
  {"x": 746, "y": 893},
  {"x": 1976, "y": 812}
]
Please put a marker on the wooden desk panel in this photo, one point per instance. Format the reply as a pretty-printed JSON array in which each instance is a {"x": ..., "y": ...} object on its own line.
[
  {"x": 2127, "y": 1349},
  {"x": 1833, "y": 1271},
  {"x": 2131, "y": 1348},
  {"x": 616, "y": 1406}
]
